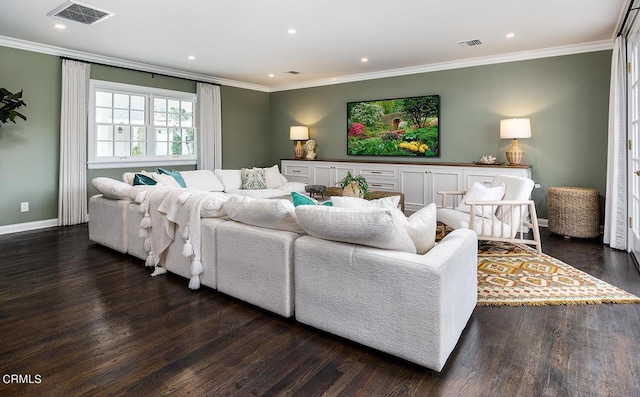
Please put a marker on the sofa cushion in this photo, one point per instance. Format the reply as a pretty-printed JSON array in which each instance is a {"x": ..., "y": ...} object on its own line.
[
  {"x": 390, "y": 202},
  {"x": 112, "y": 188},
  {"x": 175, "y": 174},
  {"x": 202, "y": 180},
  {"x": 231, "y": 179},
  {"x": 480, "y": 192},
  {"x": 253, "y": 178},
  {"x": 268, "y": 213},
  {"x": 373, "y": 227}
]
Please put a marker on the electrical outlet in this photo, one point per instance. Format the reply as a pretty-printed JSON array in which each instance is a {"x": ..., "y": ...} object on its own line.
[
  {"x": 24, "y": 206},
  {"x": 537, "y": 186}
]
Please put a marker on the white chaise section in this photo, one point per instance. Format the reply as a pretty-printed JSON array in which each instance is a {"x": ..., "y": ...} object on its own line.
[
  {"x": 255, "y": 265},
  {"x": 408, "y": 305},
  {"x": 108, "y": 222}
]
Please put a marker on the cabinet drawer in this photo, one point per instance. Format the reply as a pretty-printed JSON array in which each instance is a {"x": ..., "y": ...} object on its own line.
[
  {"x": 379, "y": 172},
  {"x": 381, "y": 184},
  {"x": 297, "y": 170}
]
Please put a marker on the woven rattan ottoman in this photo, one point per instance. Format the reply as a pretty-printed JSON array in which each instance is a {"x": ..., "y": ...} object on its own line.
[{"x": 574, "y": 211}]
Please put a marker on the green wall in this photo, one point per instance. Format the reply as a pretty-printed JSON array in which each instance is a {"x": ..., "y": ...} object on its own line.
[
  {"x": 565, "y": 97},
  {"x": 29, "y": 151}
]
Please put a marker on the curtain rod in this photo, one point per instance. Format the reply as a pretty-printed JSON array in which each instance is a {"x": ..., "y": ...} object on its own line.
[
  {"x": 626, "y": 16},
  {"x": 137, "y": 70}
]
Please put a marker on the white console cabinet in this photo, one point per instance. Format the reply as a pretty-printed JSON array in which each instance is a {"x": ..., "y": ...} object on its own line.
[{"x": 419, "y": 182}]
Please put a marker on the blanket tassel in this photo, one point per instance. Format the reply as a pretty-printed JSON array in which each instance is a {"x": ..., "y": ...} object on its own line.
[
  {"x": 149, "y": 262},
  {"x": 146, "y": 222},
  {"x": 196, "y": 269},
  {"x": 158, "y": 271},
  {"x": 187, "y": 249}
]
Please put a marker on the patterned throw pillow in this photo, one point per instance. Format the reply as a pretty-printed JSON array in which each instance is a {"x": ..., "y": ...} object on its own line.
[{"x": 253, "y": 179}]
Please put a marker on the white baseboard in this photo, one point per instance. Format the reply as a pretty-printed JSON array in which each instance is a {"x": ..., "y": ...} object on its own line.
[{"x": 23, "y": 227}]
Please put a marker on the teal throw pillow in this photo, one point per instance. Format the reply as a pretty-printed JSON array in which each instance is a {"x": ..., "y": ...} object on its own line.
[
  {"x": 141, "y": 179},
  {"x": 175, "y": 174},
  {"x": 301, "y": 199}
]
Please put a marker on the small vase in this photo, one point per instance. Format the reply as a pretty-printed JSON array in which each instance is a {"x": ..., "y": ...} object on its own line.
[{"x": 352, "y": 190}]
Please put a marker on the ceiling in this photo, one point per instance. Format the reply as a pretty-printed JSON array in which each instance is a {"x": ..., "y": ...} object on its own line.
[{"x": 243, "y": 41}]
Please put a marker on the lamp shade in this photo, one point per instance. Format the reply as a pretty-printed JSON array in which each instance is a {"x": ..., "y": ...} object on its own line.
[
  {"x": 515, "y": 128},
  {"x": 299, "y": 133}
]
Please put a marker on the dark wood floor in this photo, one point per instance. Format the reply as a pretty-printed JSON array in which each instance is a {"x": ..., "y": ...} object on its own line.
[{"x": 86, "y": 320}]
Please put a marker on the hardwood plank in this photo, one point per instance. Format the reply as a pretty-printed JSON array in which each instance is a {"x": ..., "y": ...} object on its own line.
[{"x": 93, "y": 321}]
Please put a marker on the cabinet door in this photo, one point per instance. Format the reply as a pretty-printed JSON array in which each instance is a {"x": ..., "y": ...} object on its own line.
[
  {"x": 380, "y": 177},
  {"x": 413, "y": 183},
  {"x": 322, "y": 174},
  {"x": 444, "y": 179}
]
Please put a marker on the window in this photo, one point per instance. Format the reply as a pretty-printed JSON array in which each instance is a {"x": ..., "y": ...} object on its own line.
[{"x": 134, "y": 126}]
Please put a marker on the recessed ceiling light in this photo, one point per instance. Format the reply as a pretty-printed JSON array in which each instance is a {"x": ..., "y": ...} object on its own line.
[
  {"x": 272, "y": 75},
  {"x": 191, "y": 57},
  {"x": 291, "y": 31},
  {"x": 510, "y": 35},
  {"x": 59, "y": 26},
  {"x": 364, "y": 60}
]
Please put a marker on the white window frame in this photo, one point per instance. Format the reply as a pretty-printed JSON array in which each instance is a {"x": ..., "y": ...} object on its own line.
[{"x": 94, "y": 162}]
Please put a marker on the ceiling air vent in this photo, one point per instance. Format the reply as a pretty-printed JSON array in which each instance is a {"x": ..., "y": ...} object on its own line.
[
  {"x": 80, "y": 13},
  {"x": 470, "y": 43},
  {"x": 292, "y": 72}
]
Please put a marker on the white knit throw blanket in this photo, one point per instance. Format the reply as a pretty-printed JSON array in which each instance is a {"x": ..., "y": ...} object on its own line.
[
  {"x": 185, "y": 212},
  {"x": 156, "y": 229}
]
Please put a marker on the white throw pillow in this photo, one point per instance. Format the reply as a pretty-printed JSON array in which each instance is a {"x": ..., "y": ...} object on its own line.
[
  {"x": 373, "y": 227},
  {"x": 231, "y": 179},
  {"x": 274, "y": 178},
  {"x": 166, "y": 180},
  {"x": 390, "y": 202},
  {"x": 421, "y": 227},
  {"x": 112, "y": 188},
  {"x": 202, "y": 180},
  {"x": 268, "y": 213},
  {"x": 480, "y": 192}
]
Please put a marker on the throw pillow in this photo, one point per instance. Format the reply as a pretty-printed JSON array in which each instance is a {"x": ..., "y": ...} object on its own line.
[
  {"x": 111, "y": 188},
  {"x": 273, "y": 178},
  {"x": 421, "y": 227},
  {"x": 373, "y": 227},
  {"x": 253, "y": 179},
  {"x": 301, "y": 199},
  {"x": 268, "y": 213},
  {"x": 175, "y": 174},
  {"x": 141, "y": 179},
  {"x": 166, "y": 180},
  {"x": 202, "y": 180},
  {"x": 480, "y": 192}
]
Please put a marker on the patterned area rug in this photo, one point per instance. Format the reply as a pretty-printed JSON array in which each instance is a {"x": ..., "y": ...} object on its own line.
[{"x": 516, "y": 275}]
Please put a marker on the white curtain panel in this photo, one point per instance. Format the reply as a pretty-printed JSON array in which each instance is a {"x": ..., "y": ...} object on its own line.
[
  {"x": 209, "y": 124},
  {"x": 615, "y": 218},
  {"x": 72, "y": 196}
]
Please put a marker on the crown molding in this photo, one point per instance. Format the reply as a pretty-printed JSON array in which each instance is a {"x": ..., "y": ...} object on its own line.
[
  {"x": 463, "y": 63},
  {"x": 143, "y": 67}
]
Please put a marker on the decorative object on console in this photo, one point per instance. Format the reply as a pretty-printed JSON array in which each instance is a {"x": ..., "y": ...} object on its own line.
[
  {"x": 488, "y": 159},
  {"x": 310, "y": 147},
  {"x": 513, "y": 129},
  {"x": 354, "y": 186},
  {"x": 298, "y": 133}
]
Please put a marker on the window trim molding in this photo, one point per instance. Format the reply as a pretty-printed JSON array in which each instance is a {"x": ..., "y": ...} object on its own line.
[{"x": 130, "y": 161}]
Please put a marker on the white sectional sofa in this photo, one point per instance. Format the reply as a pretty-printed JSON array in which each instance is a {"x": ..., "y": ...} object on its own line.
[{"x": 366, "y": 274}]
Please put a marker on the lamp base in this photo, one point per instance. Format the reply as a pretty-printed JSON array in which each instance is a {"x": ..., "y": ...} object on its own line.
[
  {"x": 514, "y": 154},
  {"x": 298, "y": 151}
]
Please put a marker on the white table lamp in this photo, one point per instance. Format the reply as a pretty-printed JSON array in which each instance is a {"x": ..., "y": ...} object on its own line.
[
  {"x": 298, "y": 133},
  {"x": 513, "y": 129}
]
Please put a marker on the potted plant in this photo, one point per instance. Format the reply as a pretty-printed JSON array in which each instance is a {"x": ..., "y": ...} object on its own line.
[
  {"x": 354, "y": 186},
  {"x": 9, "y": 102}
]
